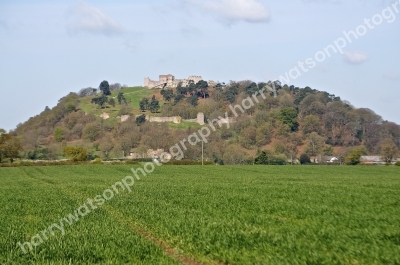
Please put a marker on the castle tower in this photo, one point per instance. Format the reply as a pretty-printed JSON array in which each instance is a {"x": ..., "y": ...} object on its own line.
[
  {"x": 200, "y": 118},
  {"x": 147, "y": 82}
]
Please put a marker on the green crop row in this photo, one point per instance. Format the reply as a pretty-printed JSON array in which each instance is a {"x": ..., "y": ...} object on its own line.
[{"x": 226, "y": 215}]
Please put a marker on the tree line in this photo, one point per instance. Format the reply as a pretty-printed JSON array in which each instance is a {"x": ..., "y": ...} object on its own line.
[
  {"x": 10, "y": 146},
  {"x": 297, "y": 122}
]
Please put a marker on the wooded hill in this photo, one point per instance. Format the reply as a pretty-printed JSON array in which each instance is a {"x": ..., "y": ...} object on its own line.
[{"x": 296, "y": 121}]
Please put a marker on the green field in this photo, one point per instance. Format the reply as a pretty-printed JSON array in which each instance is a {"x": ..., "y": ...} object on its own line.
[
  {"x": 184, "y": 125},
  {"x": 205, "y": 215},
  {"x": 132, "y": 95}
]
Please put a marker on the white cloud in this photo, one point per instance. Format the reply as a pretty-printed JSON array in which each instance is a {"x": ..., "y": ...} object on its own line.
[
  {"x": 355, "y": 57},
  {"x": 391, "y": 76},
  {"x": 236, "y": 10},
  {"x": 87, "y": 18}
]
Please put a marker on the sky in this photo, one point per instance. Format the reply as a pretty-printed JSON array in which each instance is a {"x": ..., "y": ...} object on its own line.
[{"x": 51, "y": 48}]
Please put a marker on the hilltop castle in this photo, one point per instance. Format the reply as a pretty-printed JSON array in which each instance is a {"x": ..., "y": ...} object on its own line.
[{"x": 169, "y": 81}]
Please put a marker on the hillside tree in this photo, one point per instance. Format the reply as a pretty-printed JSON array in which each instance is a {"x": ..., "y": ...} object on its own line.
[
  {"x": 289, "y": 117},
  {"x": 167, "y": 94},
  {"x": 178, "y": 98},
  {"x": 193, "y": 100},
  {"x": 105, "y": 88},
  {"x": 91, "y": 131},
  {"x": 121, "y": 98},
  {"x": 388, "y": 150},
  {"x": 154, "y": 105},
  {"x": 12, "y": 148},
  {"x": 116, "y": 86},
  {"x": 58, "y": 134},
  {"x": 180, "y": 89},
  {"x": 101, "y": 100},
  {"x": 111, "y": 101},
  {"x": 140, "y": 119},
  {"x": 315, "y": 143},
  {"x": 4, "y": 137},
  {"x": 203, "y": 87},
  {"x": 144, "y": 104},
  {"x": 311, "y": 124},
  {"x": 105, "y": 146}
]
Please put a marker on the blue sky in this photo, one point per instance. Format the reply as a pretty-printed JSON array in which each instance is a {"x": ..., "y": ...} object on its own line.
[{"x": 50, "y": 48}]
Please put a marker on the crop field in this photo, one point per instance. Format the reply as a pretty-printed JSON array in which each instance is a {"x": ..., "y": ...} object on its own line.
[{"x": 203, "y": 215}]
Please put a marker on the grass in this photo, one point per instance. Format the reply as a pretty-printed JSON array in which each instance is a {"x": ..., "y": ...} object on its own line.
[
  {"x": 135, "y": 94},
  {"x": 132, "y": 95},
  {"x": 230, "y": 215},
  {"x": 184, "y": 125}
]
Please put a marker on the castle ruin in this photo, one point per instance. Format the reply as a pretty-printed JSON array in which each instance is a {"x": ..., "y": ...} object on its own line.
[{"x": 169, "y": 81}]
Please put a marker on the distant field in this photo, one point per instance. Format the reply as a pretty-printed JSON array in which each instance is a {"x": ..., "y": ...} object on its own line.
[
  {"x": 132, "y": 94},
  {"x": 211, "y": 214}
]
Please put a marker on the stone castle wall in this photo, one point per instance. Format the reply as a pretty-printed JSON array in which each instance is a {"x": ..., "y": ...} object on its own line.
[
  {"x": 169, "y": 81},
  {"x": 174, "y": 119},
  {"x": 177, "y": 119},
  {"x": 199, "y": 119}
]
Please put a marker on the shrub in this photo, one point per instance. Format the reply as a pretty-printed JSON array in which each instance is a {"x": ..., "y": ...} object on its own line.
[
  {"x": 140, "y": 119},
  {"x": 262, "y": 159},
  {"x": 304, "y": 159},
  {"x": 397, "y": 163},
  {"x": 125, "y": 110},
  {"x": 131, "y": 162},
  {"x": 266, "y": 158},
  {"x": 97, "y": 161},
  {"x": 91, "y": 131},
  {"x": 41, "y": 163},
  {"x": 76, "y": 153},
  {"x": 188, "y": 163},
  {"x": 143, "y": 160},
  {"x": 354, "y": 156},
  {"x": 278, "y": 160},
  {"x": 58, "y": 134}
]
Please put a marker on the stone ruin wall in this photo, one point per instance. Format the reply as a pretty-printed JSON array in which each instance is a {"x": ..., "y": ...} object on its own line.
[
  {"x": 124, "y": 118},
  {"x": 199, "y": 119},
  {"x": 175, "y": 119},
  {"x": 195, "y": 78},
  {"x": 170, "y": 81},
  {"x": 104, "y": 116}
]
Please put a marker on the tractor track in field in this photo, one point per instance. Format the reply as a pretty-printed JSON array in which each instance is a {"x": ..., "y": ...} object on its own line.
[{"x": 170, "y": 251}]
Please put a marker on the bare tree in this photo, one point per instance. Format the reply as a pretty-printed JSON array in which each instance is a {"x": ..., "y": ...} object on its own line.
[
  {"x": 84, "y": 92},
  {"x": 389, "y": 150},
  {"x": 116, "y": 86}
]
